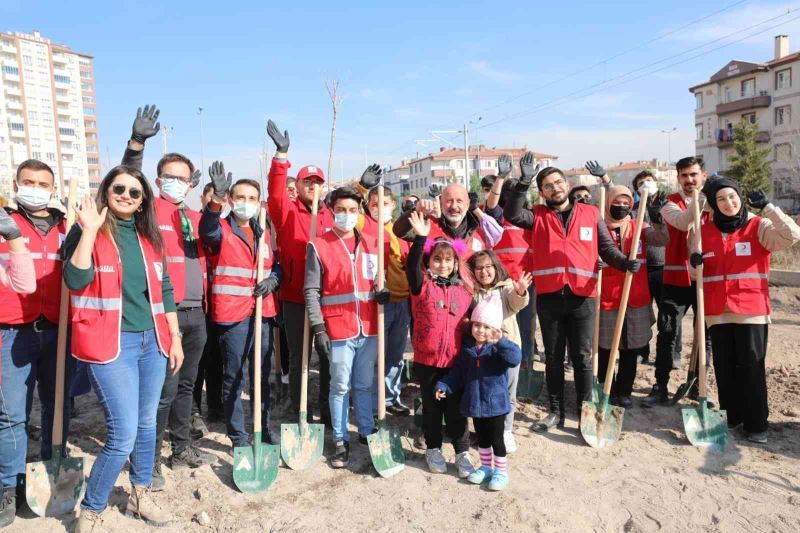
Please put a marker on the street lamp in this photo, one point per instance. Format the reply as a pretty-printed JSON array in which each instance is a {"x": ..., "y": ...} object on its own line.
[
  {"x": 202, "y": 158},
  {"x": 669, "y": 143}
]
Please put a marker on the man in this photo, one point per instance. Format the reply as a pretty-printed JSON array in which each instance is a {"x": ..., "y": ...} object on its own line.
[
  {"x": 292, "y": 221},
  {"x": 486, "y": 187},
  {"x": 341, "y": 267},
  {"x": 28, "y": 331},
  {"x": 291, "y": 188},
  {"x": 233, "y": 244},
  {"x": 580, "y": 194},
  {"x": 186, "y": 265},
  {"x": 568, "y": 238},
  {"x": 410, "y": 203},
  {"x": 679, "y": 292}
]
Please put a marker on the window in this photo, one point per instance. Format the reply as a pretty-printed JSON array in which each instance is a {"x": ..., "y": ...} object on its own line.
[
  {"x": 783, "y": 115},
  {"x": 60, "y": 78},
  {"x": 8, "y": 69},
  {"x": 90, "y": 124},
  {"x": 749, "y": 88},
  {"x": 749, "y": 117},
  {"x": 36, "y": 155},
  {"x": 51, "y": 156},
  {"x": 727, "y": 95},
  {"x": 85, "y": 74},
  {"x": 91, "y": 148},
  {"x": 41, "y": 62},
  {"x": 783, "y": 78},
  {"x": 698, "y": 98},
  {"x": 699, "y": 128},
  {"x": 16, "y": 126},
  {"x": 93, "y": 160},
  {"x": 66, "y": 131},
  {"x": 783, "y": 152},
  {"x": 88, "y": 100},
  {"x": 88, "y": 111},
  {"x": 27, "y": 61},
  {"x": 32, "y": 115},
  {"x": 86, "y": 86}
]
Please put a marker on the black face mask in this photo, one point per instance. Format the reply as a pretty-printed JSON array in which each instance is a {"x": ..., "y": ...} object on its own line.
[
  {"x": 619, "y": 211},
  {"x": 582, "y": 200}
]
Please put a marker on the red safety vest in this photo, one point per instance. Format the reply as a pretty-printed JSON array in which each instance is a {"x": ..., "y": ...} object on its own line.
[
  {"x": 514, "y": 249},
  {"x": 97, "y": 308},
  {"x": 235, "y": 271},
  {"x": 676, "y": 255},
  {"x": 25, "y": 308},
  {"x": 347, "y": 297},
  {"x": 168, "y": 216},
  {"x": 613, "y": 279},
  {"x": 439, "y": 314},
  {"x": 735, "y": 271},
  {"x": 565, "y": 259}
]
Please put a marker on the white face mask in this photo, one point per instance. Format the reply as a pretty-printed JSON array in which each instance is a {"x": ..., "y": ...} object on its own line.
[
  {"x": 650, "y": 186},
  {"x": 387, "y": 215},
  {"x": 244, "y": 210},
  {"x": 173, "y": 190},
  {"x": 345, "y": 221},
  {"x": 32, "y": 198}
]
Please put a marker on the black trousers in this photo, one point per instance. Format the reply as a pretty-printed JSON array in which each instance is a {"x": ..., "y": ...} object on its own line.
[
  {"x": 433, "y": 410},
  {"x": 564, "y": 316},
  {"x": 655, "y": 282},
  {"x": 209, "y": 372},
  {"x": 293, "y": 320},
  {"x": 284, "y": 362},
  {"x": 740, "y": 352},
  {"x": 622, "y": 384},
  {"x": 175, "y": 405},
  {"x": 490, "y": 433}
]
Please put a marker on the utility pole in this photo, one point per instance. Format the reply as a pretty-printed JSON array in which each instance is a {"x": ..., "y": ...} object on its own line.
[
  {"x": 466, "y": 157},
  {"x": 202, "y": 157},
  {"x": 164, "y": 134},
  {"x": 669, "y": 143}
]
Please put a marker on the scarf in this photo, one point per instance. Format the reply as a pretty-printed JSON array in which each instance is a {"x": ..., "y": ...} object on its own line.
[
  {"x": 624, "y": 225},
  {"x": 725, "y": 223}
]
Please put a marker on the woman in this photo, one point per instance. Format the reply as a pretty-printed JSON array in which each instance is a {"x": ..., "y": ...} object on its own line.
[
  {"x": 639, "y": 318},
  {"x": 491, "y": 277},
  {"x": 123, "y": 326},
  {"x": 736, "y": 250}
]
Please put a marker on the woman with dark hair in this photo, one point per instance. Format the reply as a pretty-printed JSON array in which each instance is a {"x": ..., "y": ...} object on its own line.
[{"x": 123, "y": 326}]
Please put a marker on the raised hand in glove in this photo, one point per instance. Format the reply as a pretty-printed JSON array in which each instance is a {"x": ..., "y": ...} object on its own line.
[
  {"x": 528, "y": 170},
  {"x": 265, "y": 286},
  {"x": 435, "y": 190},
  {"x": 371, "y": 177},
  {"x": 632, "y": 265},
  {"x": 696, "y": 259},
  {"x": 595, "y": 169},
  {"x": 601, "y": 264},
  {"x": 322, "y": 343},
  {"x": 757, "y": 199},
  {"x": 145, "y": 125},
  {"x": 503, "y": 166},
  {"x": 281, "y": 141},
  {"x": 195, "y": 179},
  {"x": 8, "y": 226},
  {"x": 473, "y": 201},
  {"x": 654, "y": 208},
  {"x": 382, "y": 296},
  {"x": 219, "y": 181}
]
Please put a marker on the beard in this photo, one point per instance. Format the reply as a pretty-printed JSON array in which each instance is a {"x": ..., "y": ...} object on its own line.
[
  {"x": 454, "y": 220},
  {"x": 556, "y": 203}
]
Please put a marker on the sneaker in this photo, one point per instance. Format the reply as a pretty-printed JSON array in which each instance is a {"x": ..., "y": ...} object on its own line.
[
  {"x": 198, "y": 428},
  {"x": 657, "y": 396},
  {"x": 362, "y": 439},
  {"x": 88, "y": 521},
  {"x": 510, "y": 442},
  {"x": 499, "y": 481},
  {"x": 341, "y": 454},
  {"x": 758, "y": 438},
  {"x": 480, "y": 475},
  {"x": 549, "y": 422},
  {"x": 435, "y": 460},
  {"x": 191, "y": 457},
  {"x": 398, "y": 409},
  {"x": 464, "y": 465},
  {"x": 158, "y": 483},
  {"x": 8, "y": 506}
]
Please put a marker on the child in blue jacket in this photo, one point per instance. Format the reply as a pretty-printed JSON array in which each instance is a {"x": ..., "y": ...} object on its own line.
[{"x": 480, "y": 371}]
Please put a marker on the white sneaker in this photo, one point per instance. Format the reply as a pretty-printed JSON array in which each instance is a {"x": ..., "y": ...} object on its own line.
[
  {"x": 435, "y": 460},
  {"x": 509, "y": 441},
  {"x": 464, "y": 465}
]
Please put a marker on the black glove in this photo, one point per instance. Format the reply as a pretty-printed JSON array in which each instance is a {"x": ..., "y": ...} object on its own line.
[
  {"x": 595, "y": 169},
  {"x": 323, "y": 344},
  {"x": 196, "y": 178},
  {"x": 503, "y": 166},
  {"x": 631, "y": 265},
  {"x": 382, "y": 296},
  {"x": 528, "y": 170},
  {"x": 8, "y": 227},
  {"x": 281, "y": 141},
  {"x": 219, "y": 181},
  {"x": 435, "y": 190},
  {"x": 696, "y": 259},
  {"x": 473, "y": 201},
  {"x": 265, "y": 286},
  {"x": 409, "y": 205},
  {"x": 601, "y": 264},
  {"x": 145, "y": 125},
  {"x": 757, "y": 199},
  {"x": 371, "y": 177},
  {"x": 654, "y": 209}
]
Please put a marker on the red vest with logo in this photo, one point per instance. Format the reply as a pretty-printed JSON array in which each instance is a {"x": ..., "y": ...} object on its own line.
[
  {"x": 347, "y": 297},
  {"x": 613, "y": 279},
  {"x": 234, "y": 272},
  {"x": 168, "y": 216},
  {"x": 565, "y": 258},
  {"x": 439, "y": 314},
  {"x": 96, "y": 315},
  {"x": 25, "y": 308},
  {"x": 474, "y": 243},
  {"x": 514, "y": 249},
  {"x": 735, "y": 271},
  {"x": 676, "y": 255}
]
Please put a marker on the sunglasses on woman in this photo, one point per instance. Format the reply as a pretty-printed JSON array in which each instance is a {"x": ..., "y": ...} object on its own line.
[{"x": 133, "y": 192}]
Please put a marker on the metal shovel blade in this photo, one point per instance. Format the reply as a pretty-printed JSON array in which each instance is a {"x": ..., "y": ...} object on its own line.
[
  {"x": 386, "y": 450},
  {"x": 530, "y": 383},
  {"x": 704, "y": 427},
  {"x": 301, "y": 444},
  {"x": 601, "y": 422},
  {"x": 55, "y": 487},
  {"x": 597, "y": 390},
  {"x": 683, "y": 389},
  {"x": 255, "y": 467}
]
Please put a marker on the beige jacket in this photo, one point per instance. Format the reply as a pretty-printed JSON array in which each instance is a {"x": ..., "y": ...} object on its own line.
[{"x": 513, "y": 303}]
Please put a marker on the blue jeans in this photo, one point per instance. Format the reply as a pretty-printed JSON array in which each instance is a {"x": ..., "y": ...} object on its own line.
[
  {"x": 236, "y": 347},
  {"x": 396, "y": 320},
  {"x": 28, "y": 362},
  {"x": 526, "y": 320},
  {"x": 136, "y": 375},
  {"x": 352, "y": 367}
]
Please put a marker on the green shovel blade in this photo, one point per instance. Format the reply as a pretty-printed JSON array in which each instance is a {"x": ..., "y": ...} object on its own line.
[
  {"x": 55, "y": 487},
  {"x": 255, "y": 467},
  {"x": 597, "y": 390},
  {"x": 530, "y": 383},
  {"x": 601, "y": 422},
  {"x": 386, "y": 450},
  {"x": 704, "y": 427},
  {"x": 301, "y": 444}
]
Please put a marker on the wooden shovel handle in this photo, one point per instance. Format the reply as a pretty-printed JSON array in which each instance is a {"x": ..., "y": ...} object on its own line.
[
  {"x": 700, "y": 327},
  {"x": 596, "y": 332},
  {"x": 256, "y": 360},
  {"x": 381, "y": 339},
  {"x": 306, "y": 325}
]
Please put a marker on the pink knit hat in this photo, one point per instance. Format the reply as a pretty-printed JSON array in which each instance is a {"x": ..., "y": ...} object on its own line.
[{"x": 489, "y": 311}]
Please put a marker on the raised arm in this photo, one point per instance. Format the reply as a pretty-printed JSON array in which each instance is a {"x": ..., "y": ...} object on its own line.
[{"x": 278, "y": 199}]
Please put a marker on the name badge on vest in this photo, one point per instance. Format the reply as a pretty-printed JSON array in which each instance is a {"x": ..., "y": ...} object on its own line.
[
  {"x": 167, "y": 227},
  {"x": 159, "y": 268},
  {"x": 476, "y": 245},
  {"x": 743, "y": 248},
  {"x": 369, "y": 266},
  {"x": 586, "y": 233}
]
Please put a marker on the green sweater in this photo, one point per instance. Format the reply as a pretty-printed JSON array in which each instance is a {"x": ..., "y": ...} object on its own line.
[{"x": 136, "y": 314}]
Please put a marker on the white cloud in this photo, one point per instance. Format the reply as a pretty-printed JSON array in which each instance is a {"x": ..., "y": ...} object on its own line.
[{"x": 491, "y": 73}]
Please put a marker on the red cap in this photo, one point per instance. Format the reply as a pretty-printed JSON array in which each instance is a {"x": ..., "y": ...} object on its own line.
[{"x": 309, "y": 171}]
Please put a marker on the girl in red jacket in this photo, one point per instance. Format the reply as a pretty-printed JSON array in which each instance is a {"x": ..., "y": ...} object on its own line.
[{"x": 439, "y": 305}]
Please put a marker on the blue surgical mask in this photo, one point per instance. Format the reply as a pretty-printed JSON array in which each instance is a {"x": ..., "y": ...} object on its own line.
[
  {"x": 32, "y": 198},
  {"x": 173, "y": 190},
  {"x": 244, "y": 210},
  {"x": 345, "y": 221}
]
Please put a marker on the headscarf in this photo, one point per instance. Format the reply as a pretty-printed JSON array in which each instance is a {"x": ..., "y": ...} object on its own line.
[
  {"x": 725, "y": 223},
  {"x": 623, "y": 225}
]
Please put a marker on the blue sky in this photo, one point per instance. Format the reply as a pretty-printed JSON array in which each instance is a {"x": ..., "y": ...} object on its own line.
[{"x": 405, "y": 68}]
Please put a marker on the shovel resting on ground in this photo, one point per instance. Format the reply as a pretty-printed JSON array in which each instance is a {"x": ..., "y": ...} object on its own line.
[
  {"x": 691, "y": 375},
  {"x": 54, "y": 487},
  {"x": 255, "y": 467},
  {"x": 530, "y": 382},
  {"x": 596, "y": 389}
]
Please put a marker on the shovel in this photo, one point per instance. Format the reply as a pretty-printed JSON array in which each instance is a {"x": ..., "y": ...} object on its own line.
[
  {"x": 256, "y": 467},
  {"x": 596, "y": 389},
  {"x": 54, "y": 487},
  {"x": 530, "y": 382},
  {"x": 601, "y": 422},
  {"x": 301, "y": 443},
  {"x": 703, "y": 426},
  {"x": 691, "y": 375},
  {"x": 385, "y": 446}
]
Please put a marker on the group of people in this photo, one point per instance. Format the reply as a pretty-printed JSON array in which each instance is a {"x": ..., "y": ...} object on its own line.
[{"x": 162, "y": 304}]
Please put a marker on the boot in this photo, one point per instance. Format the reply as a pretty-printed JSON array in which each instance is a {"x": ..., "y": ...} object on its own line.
[
  {"x": 549, "y": 422},
  {"x": 158, "y": 482},
  {"x": 658, "y": 396},
  {"x": 88, "y": 522},
  {"x": 8, "y": 506},
  {"x": 142, "y": 505}
]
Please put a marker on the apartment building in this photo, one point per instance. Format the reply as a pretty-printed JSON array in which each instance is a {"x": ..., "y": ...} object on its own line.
[
  {"x": 765, "y": 93},
  {"x": 47, "y": 111},
  {"x": 396, "y": 178},
  {"x": 623, "y": 174}
]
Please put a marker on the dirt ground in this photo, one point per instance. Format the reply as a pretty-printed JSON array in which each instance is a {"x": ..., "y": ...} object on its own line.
[{"x": 652, "y": 479}]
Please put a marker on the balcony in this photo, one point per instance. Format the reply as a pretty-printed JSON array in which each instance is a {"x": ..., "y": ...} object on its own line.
[
  {"x": 724, "y": 137},
  {"x": 14, "y": 104},
  {"x": 743, "y": 104}
]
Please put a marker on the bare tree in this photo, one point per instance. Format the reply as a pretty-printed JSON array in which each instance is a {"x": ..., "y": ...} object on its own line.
[{"x": 336, "y": 100}]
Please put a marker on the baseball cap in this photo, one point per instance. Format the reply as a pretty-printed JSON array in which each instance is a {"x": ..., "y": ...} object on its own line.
[{"x": 310, "y": 171}]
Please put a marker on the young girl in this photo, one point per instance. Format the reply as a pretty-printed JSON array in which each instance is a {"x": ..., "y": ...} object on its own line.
[
  {"x": 439, "y": 305},
  {"x": 491, "y": 278},
  {"x": 481, "y": 372}
]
